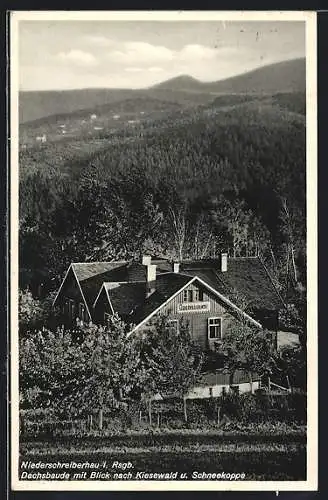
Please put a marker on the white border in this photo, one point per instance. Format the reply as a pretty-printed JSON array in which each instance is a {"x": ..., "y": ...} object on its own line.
[{"x": 311, "y": 142}]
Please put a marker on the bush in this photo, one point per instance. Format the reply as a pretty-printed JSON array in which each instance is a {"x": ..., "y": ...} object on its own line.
[{"x": 258, "y": 412}]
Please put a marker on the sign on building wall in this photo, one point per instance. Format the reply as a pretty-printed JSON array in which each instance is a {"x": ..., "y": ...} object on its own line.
[{"x": 193, "y": 307}]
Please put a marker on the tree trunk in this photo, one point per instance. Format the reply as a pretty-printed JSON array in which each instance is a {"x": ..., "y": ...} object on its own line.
[
  {"x": 218, "y": 414},
  {"x": 149, "y": 412},
  {"x": 185, "y": 409},
  {"x": 251, "y": 382},
  {"x": 101, "y": 418},
  {"x": 293, "y": 263},
  {"x": 90, "y": 422}
]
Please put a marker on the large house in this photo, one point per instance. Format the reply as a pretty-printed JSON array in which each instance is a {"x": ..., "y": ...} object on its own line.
[{"x": 209, "y": 294}]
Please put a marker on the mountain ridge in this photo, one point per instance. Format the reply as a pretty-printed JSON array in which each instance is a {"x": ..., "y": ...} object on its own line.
[
  {"x": 286, "y": 76},
  {"x": 263, "y": 79}
]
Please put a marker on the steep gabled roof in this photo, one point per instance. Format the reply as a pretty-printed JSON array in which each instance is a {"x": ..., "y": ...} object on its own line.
[
  {"x": 86, "y": 270},
  {"x": 91, "y": 277},
  {"x": 246, "y": 280},
  {"x": 125, "y": 297},
  {"x": 245, "y": 283},
  {"x": 167, "y": 284}
]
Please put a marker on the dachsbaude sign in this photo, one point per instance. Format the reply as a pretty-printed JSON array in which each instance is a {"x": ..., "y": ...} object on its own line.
[{"x": 193, "y": 307}]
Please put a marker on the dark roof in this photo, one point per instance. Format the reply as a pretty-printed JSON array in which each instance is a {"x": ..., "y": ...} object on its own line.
[
  {"x": 86, "y": 270},
  {"x": 125, "y": 297},
  {"x": 246, "y": 281},
  {"x": 167, "y": 284},
  {"x": 91, "y": 276}
]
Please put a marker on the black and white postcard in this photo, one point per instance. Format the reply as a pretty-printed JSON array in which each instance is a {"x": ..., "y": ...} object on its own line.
[{"x": 163, "y": 327}]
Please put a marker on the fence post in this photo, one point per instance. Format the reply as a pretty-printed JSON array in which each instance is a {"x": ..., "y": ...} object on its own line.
[
  {"x": 218, "y": 414},
  {"x": 185, "y": 409},
  {"x": 149, "y": 412},
  {"x": 101, "y": 415}
]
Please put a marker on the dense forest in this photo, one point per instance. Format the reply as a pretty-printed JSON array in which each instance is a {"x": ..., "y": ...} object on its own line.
[{"x": 189, "y": 182}]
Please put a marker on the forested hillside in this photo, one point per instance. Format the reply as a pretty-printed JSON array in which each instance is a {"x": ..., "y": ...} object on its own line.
[{"x": 181, "y": 182}]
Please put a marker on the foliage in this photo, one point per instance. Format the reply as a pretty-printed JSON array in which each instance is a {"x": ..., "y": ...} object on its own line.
[
  {"x": 34, "y": 313},
  {"x": 91, "y": 367},
  {"x": 171, "y": 362},
  {"x": 76, "y": 370},
  {"x": 248, "y": 348},
  {"x": 188, "y": 185},
  {"x": 292, "y": 363}
]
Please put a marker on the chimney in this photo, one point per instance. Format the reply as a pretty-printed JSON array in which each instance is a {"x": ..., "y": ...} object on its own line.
[
  {"x": 146, "y": 260},
  {"x": 150, "y": 279},
  {"x": 176, "y": 267},
  {"x": 224, "y": 262},
  {"x": 150, "y": 275}
]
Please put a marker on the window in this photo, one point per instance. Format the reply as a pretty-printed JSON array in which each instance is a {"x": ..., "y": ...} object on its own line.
[
  {"x": 71, "y": 308},
  {"x": 193, "y": 295},
  {"x": 214, "y": 331},
  {"x": 199, "y": 296},
  {"x": 174, "y": 324},
  {"x": 81, "y": 311}
]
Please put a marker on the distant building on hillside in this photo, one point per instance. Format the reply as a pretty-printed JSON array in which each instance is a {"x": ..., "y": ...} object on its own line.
[{"x": 41, "y": 138}]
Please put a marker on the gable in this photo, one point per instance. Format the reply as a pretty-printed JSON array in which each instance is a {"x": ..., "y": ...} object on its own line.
[
  {"x": 173, "y": 304},
  {"x": 102, "y": 305},
  {"x": 70, "y": 289},
  {"x": 246, "y": 281}
]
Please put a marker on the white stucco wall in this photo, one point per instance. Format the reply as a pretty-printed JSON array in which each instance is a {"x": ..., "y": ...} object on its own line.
[{"x": 216, "y": 390}]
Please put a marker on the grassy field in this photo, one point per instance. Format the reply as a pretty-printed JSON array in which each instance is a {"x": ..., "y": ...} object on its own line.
[{"x": 279, "y": 457}]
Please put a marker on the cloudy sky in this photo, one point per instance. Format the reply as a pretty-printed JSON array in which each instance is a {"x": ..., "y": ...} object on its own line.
[{"x": 80, "y": 54}]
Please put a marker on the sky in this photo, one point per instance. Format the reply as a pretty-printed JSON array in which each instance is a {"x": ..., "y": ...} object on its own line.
[{"x": 58, "y": 55}]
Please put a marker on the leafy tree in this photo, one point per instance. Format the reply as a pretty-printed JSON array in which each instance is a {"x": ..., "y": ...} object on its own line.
[
  {"x": 171, "y": 362},
  {"x": 247, "y": 348},
  {"x": 292, "y": 363},
  {"x": 112, "y": 195},
  {"x": 76, "y": 371}
]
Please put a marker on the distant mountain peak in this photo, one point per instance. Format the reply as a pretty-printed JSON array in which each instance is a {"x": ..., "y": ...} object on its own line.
[
  {"x": 183, "y": 82},
  {"x": 284, "y": 76}
]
